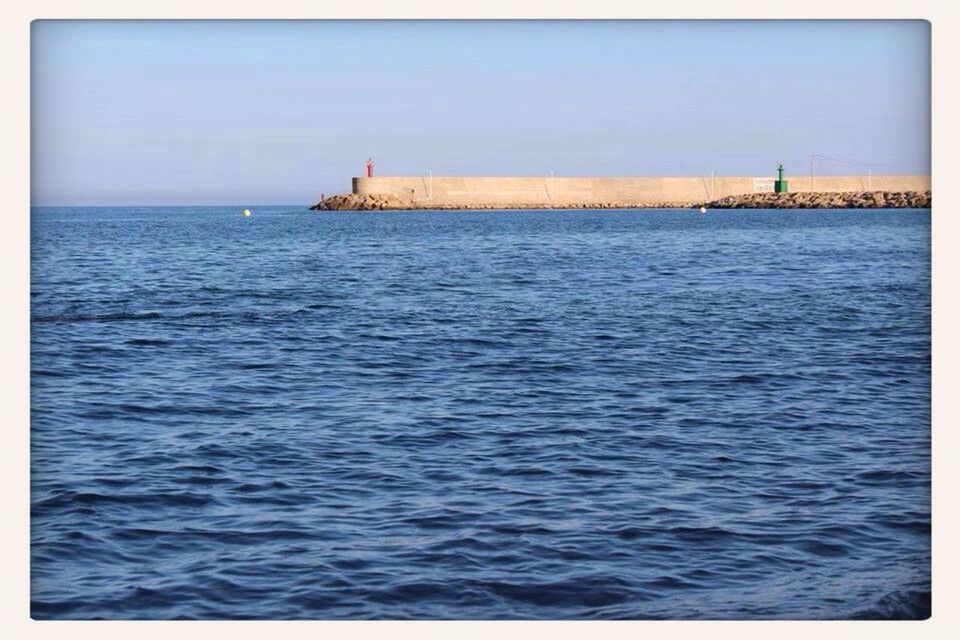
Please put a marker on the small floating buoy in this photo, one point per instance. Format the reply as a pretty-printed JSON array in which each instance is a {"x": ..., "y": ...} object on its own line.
[
  {"x": 703, "y": 209},
  {"x": 246, "y": 213}
]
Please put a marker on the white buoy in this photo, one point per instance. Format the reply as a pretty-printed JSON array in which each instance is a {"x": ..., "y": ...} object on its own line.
[
  {"x": 703, "y": 209},
  {"x": 246, "y": 213}
]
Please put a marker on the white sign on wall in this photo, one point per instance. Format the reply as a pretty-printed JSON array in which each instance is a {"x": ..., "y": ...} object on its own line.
[{"x": 763, "y": 184}]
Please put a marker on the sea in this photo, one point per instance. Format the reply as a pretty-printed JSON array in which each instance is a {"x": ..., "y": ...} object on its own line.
[{"x": 464, "y": 415}]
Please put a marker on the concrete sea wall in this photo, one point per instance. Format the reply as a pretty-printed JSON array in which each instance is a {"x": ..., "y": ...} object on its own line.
[{"x": 505, "y": 191}]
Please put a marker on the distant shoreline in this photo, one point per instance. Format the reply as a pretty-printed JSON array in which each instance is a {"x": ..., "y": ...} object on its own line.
[{"x": 766, "y": 200}]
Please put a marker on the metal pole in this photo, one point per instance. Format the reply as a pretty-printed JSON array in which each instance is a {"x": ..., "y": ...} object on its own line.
[
  {"x": 869, "y": 179},
  {"x": 430, "y": 185},
  {"x": 712, "y": 192},
  {"x": 812, "y": 156}
]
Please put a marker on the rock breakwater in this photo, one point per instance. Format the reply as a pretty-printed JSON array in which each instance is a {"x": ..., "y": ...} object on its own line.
[
  {"x": 821, "y": 200},
  {"x": 797, "y": 200},
  {"x": 382, "y": 201},
  {"x": 356, "y": 202}
]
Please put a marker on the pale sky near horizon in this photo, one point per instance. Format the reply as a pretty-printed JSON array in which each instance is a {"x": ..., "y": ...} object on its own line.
[{"x": 276, "y": 112}]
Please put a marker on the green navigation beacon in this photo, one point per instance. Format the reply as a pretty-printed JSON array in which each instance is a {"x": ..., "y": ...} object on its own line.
[{"x": 780, "y": 186}]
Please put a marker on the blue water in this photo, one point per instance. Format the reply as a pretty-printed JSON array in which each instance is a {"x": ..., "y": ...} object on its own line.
[{"x": 514, "y": 414}]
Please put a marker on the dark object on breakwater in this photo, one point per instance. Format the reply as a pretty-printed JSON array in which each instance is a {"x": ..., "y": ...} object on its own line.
[
  {"x": 813, "y": 200},
  {"x": 780, "y": 186}
]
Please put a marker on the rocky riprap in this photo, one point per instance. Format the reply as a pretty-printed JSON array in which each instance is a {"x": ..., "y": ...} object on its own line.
[
  {"x": 356, "y": 202},
  {"x": 799, "y": 200},
  {"x": 383, "y": 201},
  {"x": 816, "y": 200}
]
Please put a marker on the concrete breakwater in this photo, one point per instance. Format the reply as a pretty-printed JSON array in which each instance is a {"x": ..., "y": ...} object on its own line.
[
  {"x": 436, "y": 192},
  {"x": 843, "y": 200}
]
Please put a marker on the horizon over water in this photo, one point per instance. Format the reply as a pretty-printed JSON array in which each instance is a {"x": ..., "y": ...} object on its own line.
[{"x": 538, "y": 414}]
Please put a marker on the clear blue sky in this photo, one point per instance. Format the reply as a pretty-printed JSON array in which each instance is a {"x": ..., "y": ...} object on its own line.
[{"x": 250, "y": 112}]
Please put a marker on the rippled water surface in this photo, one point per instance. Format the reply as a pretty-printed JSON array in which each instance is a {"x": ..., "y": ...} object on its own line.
[{"x": 513, "y": 414}]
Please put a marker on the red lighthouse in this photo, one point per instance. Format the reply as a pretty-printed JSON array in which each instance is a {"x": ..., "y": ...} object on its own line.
[{"x": 369, "y": 167}]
